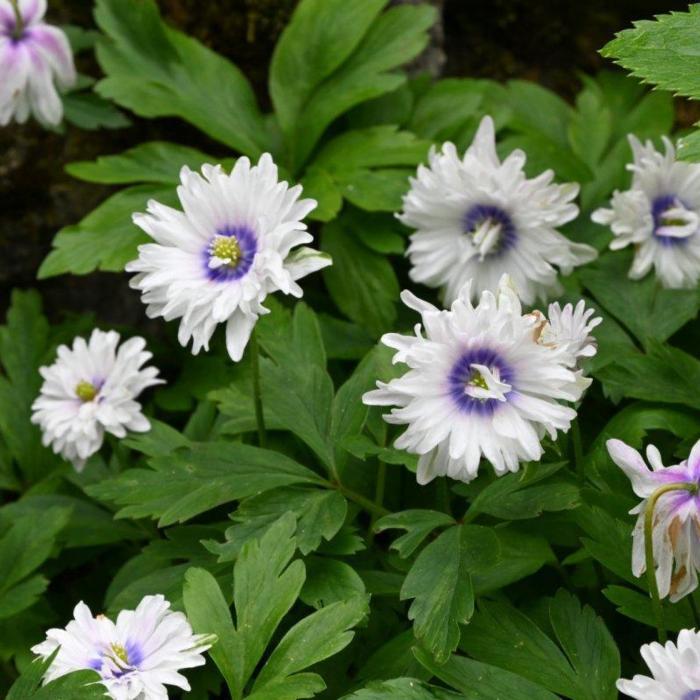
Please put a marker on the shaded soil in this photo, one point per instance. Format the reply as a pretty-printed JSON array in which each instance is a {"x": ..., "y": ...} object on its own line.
[{"x": 544, "y": 40}]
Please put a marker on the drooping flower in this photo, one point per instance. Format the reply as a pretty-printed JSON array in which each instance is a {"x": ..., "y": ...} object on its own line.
[
  {"x": 676, "y": 524},
  {"x": 476, "y": 219},
  {"x": 34, "y": 56},
  {"x": 659, "y": 215},
  {"x": 136, "y": 657},
  {"x": 91, "y": 390},
  {"x": 569, "y": 329},
  {"x": 216, "y": 261},
  {"x": 675, "y": 670},
  {"x": 480, "y": 383}
]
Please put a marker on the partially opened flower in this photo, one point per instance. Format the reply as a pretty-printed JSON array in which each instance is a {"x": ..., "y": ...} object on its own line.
[
  {"x": 659, "y": 215},
  {"x": 675, "y": 671},
  {"x": 476, "y": 218},
  {"x": 34, "y": 57},
  {"x": 676, "y": 523},
  {"x": 136, "y": 657},
  {"x": 480, "y": 383},
  {"x": 90, "y": 390},
  {"x": 231, "y": 246}
]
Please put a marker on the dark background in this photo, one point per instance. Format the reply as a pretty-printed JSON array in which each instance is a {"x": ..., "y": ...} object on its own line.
[{"x": 550, "y": 42}]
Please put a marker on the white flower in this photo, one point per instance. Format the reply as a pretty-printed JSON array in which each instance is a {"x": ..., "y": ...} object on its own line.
[
  {"x": 659, "y": 215},
  {"x": 231, "y": 247},
  {"x": 33, "y": 55},
  {"x": 91, "y": 389},
  {"x": 570, "y": 330},
  {"x": 675, "y": 671},
  {"x": 676, "y": 528},
  {"x": 136, "y": 657},
  {"x": 477, "y": 218},
  {"x": 480, "y": 383}
]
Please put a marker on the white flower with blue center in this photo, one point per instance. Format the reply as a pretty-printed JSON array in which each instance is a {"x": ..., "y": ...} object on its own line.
[
  {"x": 91, "y": 390},
  {"x": 34, "y": 58},
  {"x": 477, "y": 218},
  {"x": 676, "y": 524},
  {"x": 481, "y": 382},
  {"x": 659, "y": 215},
  {"x": 136, "y": 657},
  {"x": 235, "y": 242},
  {"x": 675, "y": 671}
]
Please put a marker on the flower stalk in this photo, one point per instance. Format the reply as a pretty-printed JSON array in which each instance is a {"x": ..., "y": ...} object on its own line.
[
  {"x": 257, "y": 394},
  {"x": 19, "y": 21},
  {"x": 649, "y": 550}
]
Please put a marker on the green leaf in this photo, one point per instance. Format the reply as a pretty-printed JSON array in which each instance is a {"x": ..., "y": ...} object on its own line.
[
  {"x": 313, "y": 639},
  {"x": 330, "y": 581},
  {"x": 441, "y": 585},
  {"x": 418, "y": 525},
  {"x": 361, "y": 283},
  {"x": 665, "y": 374},
  {"x": 265, "y": 586},
  {"x": 638, "y": 607},
  {"x": 588, "y": 645},
  {"x": 520, "y": 496},
  {"x": 158, "y": 72},
  {"x": 586, "y": 669},
  {"x": 24, "y": 547},
  {"x": 335, "y": 54},
  {"x": 650, "y": 312},
  {"x": 23, "y": 344},
  {"x": 478, "y": 681},
  {"x": 179, "y": 486},
  {"x": 401, "y": 689},
  {"x": 208, "y": 613},
  {"x": 320, "y": 514},
  {"x": 155, "y": 161},
  {"x": 106, "y": 239},
  {"x": 661, "y": 51},
  {"x": 87, "y": 110}
]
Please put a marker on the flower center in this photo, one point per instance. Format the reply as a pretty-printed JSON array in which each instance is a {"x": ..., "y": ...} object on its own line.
[
  {"x": 490, "y": 228},
  {"x": 480, "y": 381},
  {"x": 674, "y": 223},
  {"x": 227, "y": 249},
  {"x": 86, "y": 391},
  {"x": 120, "y": 652}
]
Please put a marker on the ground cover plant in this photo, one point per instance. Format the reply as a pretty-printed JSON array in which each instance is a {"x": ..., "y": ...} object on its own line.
[{"x": 378, "y": 432}]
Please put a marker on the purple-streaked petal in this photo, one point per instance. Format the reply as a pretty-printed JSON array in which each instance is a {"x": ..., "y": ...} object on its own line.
[{"x": 636, "y": 469}]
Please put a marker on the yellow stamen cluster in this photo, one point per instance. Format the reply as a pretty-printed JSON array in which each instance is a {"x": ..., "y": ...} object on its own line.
[
  {"x": 227, "y": 248},
  {"x": 85, "y": 391},
  {"x": 120, "y": 652},
  {"x": 477, "y": 379}
]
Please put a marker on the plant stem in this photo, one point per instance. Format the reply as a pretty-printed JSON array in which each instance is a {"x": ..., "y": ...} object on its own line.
[
  {"x": 379, "y": 490},
  {"x": 257, "y": 396},
  {"x": 649, "y": 551},
  {"x": 19, "y": 20},
  {"x": 443, "y": 493},
  {"x": 578, "y": 452},
  {"x": 367, "y": 504},
  {"x": 696, "y": 614}
]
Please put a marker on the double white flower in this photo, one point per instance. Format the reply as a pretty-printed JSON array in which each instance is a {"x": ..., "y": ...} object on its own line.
[
  {"x": 477, "y": 218},
  {"x": 675, "y": 670},
  {"x": 484, "y": 380},
  {"x": 136, "y": 657},
  {"x": 33, "y": 56},
  {"x": 91, "y": 390},
  {"x": 231, "y": 246},
  {"x": 676, "y": 523},
  {"x": 659, "y": 215}
]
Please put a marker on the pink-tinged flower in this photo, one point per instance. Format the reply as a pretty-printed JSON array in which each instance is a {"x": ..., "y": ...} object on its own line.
[
  {"x": 676, "y": 524},
  {"x": 34, "y": 58},
  {"x": 136, "y": 656},
  {"x": 675, "y": 671}
]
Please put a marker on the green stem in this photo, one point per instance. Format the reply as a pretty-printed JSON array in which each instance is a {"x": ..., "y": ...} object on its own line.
[
  {"x": 379, "y": 490},
  {"x": 367, "y": 504},
  {"x": 443, "y": 493},
  {"x": 19, "y": 20},
  {"x": 649, "y": 551},
  {"x": 696, "y": 614},
  {"x": 578, "y": 452},
  {"x": 257, "y": 395}
]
